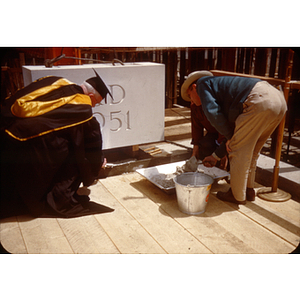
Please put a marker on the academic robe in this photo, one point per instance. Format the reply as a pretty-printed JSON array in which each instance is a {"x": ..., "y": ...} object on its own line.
[{"x": 50, "y": 144}]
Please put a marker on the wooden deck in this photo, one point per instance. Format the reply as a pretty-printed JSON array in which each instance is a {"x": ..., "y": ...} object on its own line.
[{"x": 147, "y": 220}]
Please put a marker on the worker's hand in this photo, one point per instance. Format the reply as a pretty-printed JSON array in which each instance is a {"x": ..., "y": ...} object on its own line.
[
  {"x": 223, "y": 163},
  {"x": 227, "y": 146},
  {"x": 195, "y": 151},
  {"x": 104, "y": 163},
  {"x": 209, "y": 161}
]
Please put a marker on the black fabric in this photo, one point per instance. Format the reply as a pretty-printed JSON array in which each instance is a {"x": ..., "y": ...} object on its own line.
[
  {"x": 40, "y": 176},
  {"x": 63, "y": 116},
  {"x": 39, "y": 83},
  {"x": 60, "y": 117}
]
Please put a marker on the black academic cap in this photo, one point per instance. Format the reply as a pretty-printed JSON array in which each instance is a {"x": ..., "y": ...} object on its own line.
[{"x": 98, "y": 84}]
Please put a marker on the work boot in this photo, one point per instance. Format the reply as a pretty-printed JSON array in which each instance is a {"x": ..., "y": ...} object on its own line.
[
  {"x": 228, "y": 196},
  {"x": 250, "y": 194}
]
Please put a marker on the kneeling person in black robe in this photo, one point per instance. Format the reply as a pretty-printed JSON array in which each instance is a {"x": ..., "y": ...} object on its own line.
[{"x": 50, "y": 144}]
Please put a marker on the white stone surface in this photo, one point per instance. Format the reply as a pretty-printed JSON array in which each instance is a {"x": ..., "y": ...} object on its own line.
[{"x": 135, "y": 115}]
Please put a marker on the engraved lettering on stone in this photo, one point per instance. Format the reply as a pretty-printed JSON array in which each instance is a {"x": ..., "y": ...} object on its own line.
[
  {"x": 114, "y": 117},
  {"x": 128, "y": 121},
  {"x": 118, "y": 94}
]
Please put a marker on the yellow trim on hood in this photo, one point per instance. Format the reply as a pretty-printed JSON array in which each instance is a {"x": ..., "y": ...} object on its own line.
[
  {"x": 46, "y": 132},
  {"x": 26, "y": 106}
]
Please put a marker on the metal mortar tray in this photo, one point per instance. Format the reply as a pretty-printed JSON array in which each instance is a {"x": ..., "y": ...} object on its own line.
[{"x": 162, "y": 175}]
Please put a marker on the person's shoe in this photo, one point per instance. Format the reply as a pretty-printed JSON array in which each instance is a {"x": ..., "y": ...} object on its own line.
[
  {"x": 81, "y": 198},
  {"x": 250, "y": 194},
  {"x": 228, "y": 196}
]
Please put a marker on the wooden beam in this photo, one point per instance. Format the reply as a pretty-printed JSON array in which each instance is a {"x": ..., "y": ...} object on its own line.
[{"x": 271, "y": 80}]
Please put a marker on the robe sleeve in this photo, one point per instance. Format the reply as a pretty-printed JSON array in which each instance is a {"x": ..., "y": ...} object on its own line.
[{"x": 87, "y": 143}]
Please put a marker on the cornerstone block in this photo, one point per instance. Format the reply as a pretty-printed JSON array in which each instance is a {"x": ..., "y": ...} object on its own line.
[{"x": 135, "y": 114}]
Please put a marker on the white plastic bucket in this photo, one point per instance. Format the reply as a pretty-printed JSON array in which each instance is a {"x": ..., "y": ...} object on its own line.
[{"x": 192, "y": 190}]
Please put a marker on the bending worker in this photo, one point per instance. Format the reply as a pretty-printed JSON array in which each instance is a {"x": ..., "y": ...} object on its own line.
[
  {"x": 50, "y": 144},
  {"x": 245, "y": 111},
  {"x": 212, "y": 141}
]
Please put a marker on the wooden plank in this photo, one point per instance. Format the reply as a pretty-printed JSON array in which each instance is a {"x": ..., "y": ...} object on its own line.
[
  {"x": 294, "y": 84},
  {"x": 278, "y": 218},
  {"x": 125, "y": 232},
  {"x": 11, "y": 237},
  {"x": 251, "y": 234},
  {"x": 259, "y": 233},
  {"x": 178, "y": 132},
  {"x": 182, "y": 111},
  {"x": 169, "y": 234},
  {"x": 274, "y": 81},
  {"x": 177, "y": 124},
  {"x": 177, "y": 114},
  {"x": 282, "y": 218},
  {"x": 273, "y": 219},
  {"x": 43, "y": 235},
  {"x": 146, "y": 220},
  {"x": 207, "y": 231},
  {"x": 288, "y": 210},
  {"x": 86, "y": 236}
]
